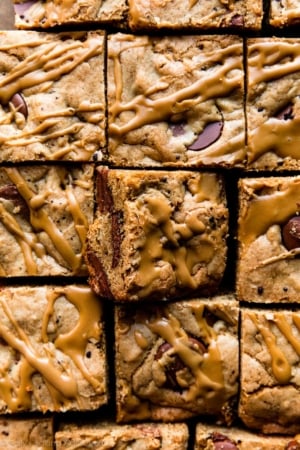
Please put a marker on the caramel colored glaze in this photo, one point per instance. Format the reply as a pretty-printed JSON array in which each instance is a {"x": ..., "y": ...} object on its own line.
[
  {"x": 161, "y": 227},
  {"x": 51, "y": 61},
  {"x": 40, "y": 220},
  {"x": 270, "y": 62},
  {"x": 59, "y": 379},
  {"x": 265, "y": 210},
  {"x": 281, "y": 367},
  {"x": 206, "y": 368},
  {"x": 153, "y": 106}
]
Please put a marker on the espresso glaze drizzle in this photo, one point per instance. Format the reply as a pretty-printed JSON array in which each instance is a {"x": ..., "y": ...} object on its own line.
[
  {"x": 60, "y": 379},
  {"x": 153, "y": 106},
  {"x": 50, "y": 61},
  {"x": 268, "y": 62},
  {"x": 281, "y": 368},
  {"x": 41, "y": 221}
]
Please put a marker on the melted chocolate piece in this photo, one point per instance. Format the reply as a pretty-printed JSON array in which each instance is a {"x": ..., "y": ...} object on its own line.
[
  {"x": 177, "y": 129},
  {"x": 222, "y": 442},
  {"x": 209, "y": 135},
  {"x": 19, "y": 103},
  {"x": 237, "y": 21},
  {"x": 286, "y": 113},
  {"x": 96, "y": 266},
  {"x": 291, "y": 233},
  {"x": 177, "y": 364}
]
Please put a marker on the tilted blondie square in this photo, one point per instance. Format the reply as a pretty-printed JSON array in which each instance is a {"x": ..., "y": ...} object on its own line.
[
  {"x": 49, "y": 13},
  {"x": 26, "y": 434},
  {"x": 157, "y": 234},
  {"x": 177, "y": 360},
  {"x": 52, "y": 349},
  {"x": 269, "y": 240},
  {"x": 270, "y": 368},
  {"x": 45, "y": 212},
  {"x": 109, "y": 436},
  {"x": 194, "y": 14},
  {"x": 52, "y": 104},
  {"x": 214, "y": 437},
  {"x": 175, "y": 101},
  {"x": 273, "y": 103}
]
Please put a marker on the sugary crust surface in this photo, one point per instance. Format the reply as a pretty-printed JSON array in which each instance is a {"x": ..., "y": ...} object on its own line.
[
  {"x": 273, "y": 103},
  {"x": 165, "y": 230},
  {"x": 220, "y": 438},
  {"x": 52, "y": 349},
  {"x": 207, "y": 14},
  {"x": 45, "y": 214},
  {"x": 270, "y": 367},
  {"x": 167, "y": 106},
  {"x": 177, "y": 360},
  {"x": 51, "y": 95},
  {"x": 284, "y": 13},
  {"x": 268, "y": 272},
  {"x": 26, "y": 434},
  {"x": 50, "y": 13},
  {"x": 148, "y": 436}
]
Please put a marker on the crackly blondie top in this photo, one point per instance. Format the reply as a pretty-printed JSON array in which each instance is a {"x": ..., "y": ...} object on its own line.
[
  {"x": 177, "y": 360},
  {"x": 45, "y": 212},
  {"x": 49, "y": 13},
  {"x": 52, "y": 349},
  {"x": 26, "y": 433},
  {"x": 175, "y": 101},
  {"x": 269, "y": 244},
  {"x": 270, "y": 367},
  {"x": 213, "y": 14},
  {"x": 165, "y": 230},
  {"x": 284, "y": 13},
  {"x": 273, "y": 103},
  {"x": 109, "y": 436},
  {"x": 51, "y": 95}
]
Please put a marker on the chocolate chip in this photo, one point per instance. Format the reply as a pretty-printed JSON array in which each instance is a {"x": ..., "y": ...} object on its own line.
[
  {"x": 260, "y": 290},
  {"x": 286, "y": 113},
  {"x": 291, "y": 233},
  {"x": 10, "y": 192},
  {"x": 293, "y": 445},
  {"x": 209, "y": 135},
  {"x": 222, "y": 442},
  {"x": 237, "y": 20},
  {"x": 19, "y": 103},
  {"x": 177, "y": 129},
  {"x": 176, "y": 364}
]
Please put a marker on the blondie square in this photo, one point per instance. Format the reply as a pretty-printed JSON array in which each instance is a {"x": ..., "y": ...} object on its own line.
[
  {"x": 157, "y": 234},
  {"x": 175, "y": 101},
  {"x": 273, "y": 103},
  {"x": 52, "y": 103},
  {"x": 26, "y": 434},
  {"x": 177, "y": 360},
  {"x": 269, "y": 240},
  {"x": 45, "y": 212},
  {"x": 285, "y": 13},
  {"x": 49, "y": 13},
  {"x": 210, "y": 437},
  {"x": 52, "y": 349},
  {"x": 109, "y": 436},
  {"x": 270, "y": 368},
  {"x": 200, "y": 15}
]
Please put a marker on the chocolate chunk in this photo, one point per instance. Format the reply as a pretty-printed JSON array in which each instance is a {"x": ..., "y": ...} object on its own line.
[
  {"x": 176, "y": 363},
  {"x": 293, "y": 445},
  {"x": 286, "y": 113},
  {"x": 19, "y": 103},
  {"x": 96, "y": 266},
  {"x": 10, "y": 192},
  {"x": 209, "y": 135},
  {"x": 20, "y": 8},
  {"x": 222, "y": 442},
  {"x": 291, "y": 233},
  {"x": 237, "y": 21}
]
